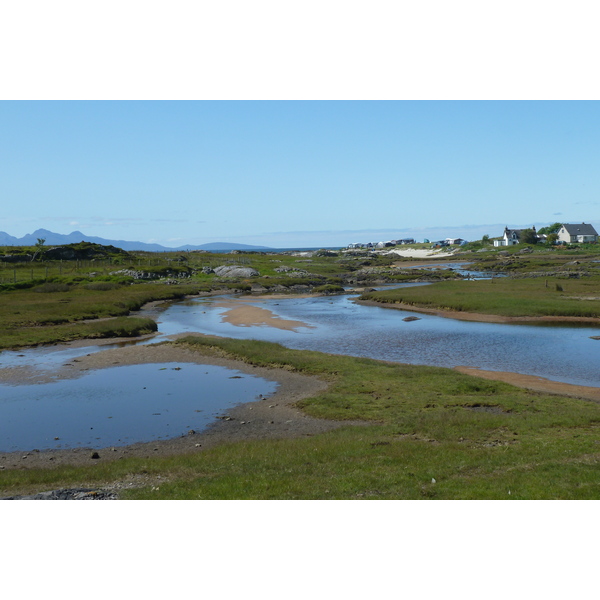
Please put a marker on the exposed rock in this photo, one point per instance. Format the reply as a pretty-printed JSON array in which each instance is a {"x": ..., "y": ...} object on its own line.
[
  {"x": 82, "y": 251},
  {"x": 13, "y": 258},
  {"x": 235, "y": 271},
  {"x": 151, "y": 275},
  {"x": 68, "y": 494}
]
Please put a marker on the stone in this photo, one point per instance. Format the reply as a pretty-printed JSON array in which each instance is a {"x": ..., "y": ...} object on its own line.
[
  {"x": 94, "y": 455},
  {"x": 235, "y": 271}
]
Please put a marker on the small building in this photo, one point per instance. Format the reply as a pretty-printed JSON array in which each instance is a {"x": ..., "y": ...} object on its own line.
[
  {"x": 577, "y": 233},
  {"x": 511, "y": 237},
  {"x": 455, "y": 241}
]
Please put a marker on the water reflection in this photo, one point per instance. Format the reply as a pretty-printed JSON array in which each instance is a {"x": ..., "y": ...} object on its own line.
[
  {"x": 121, "y": 405},
  {"x": 564, "y": 353}
]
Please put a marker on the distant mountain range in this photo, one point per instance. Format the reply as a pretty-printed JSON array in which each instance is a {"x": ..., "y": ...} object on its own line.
[{"x": 59, "y": 239}]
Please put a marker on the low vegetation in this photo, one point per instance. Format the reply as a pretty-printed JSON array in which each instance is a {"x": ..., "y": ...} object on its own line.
[
  {"x": 428, "y": 433},
  {"x": 503, "y": 296}
]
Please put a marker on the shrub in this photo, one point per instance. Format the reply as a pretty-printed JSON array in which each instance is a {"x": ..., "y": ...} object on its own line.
[
  {"x": 102, "y": 286},
  {"x": 48, "y": 288}
]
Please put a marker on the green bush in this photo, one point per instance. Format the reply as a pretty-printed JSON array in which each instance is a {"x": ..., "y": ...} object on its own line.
[
  {"x": 102, "y": 286},
  {"x": 48, "y": 288}
]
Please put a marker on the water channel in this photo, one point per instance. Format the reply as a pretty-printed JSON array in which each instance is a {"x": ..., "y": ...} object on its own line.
[
  {"x": 338, "y": 325},
  {"x": 123, "y": 405}
]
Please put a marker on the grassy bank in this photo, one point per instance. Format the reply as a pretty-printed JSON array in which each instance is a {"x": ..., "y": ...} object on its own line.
[
  {"x": 59, "y": 312},
  {"x": 431, "y": 433},
  {"x": 535, "y": 297}
]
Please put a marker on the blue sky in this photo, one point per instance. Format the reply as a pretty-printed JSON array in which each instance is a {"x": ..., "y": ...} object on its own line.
[{"x": 296, "y": 173}]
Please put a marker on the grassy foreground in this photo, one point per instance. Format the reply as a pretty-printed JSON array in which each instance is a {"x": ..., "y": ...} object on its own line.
[
  {"x": 432, "y": 433},
  {"x": 550, "y": 296}
]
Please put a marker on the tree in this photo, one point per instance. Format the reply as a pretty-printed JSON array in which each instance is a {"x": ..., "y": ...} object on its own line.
[
  {"x": 552, "y": 238},
  {"x": 39, "y": 248},
  {"x": 485, "y": 239},
  {"x": 529, "y": 236},
  {"x": 554, "y": 228}
]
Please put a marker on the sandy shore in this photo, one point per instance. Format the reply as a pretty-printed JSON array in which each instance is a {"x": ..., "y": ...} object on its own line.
[{"x": 425, "y": 253}]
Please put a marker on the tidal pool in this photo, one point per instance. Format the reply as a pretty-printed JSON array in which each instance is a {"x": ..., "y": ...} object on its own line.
[{"x": 122, "y": 405}]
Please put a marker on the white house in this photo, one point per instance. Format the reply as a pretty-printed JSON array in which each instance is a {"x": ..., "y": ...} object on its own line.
[
  {"x": 577, "y": 233},
  {"x": 511, "y": 237}
]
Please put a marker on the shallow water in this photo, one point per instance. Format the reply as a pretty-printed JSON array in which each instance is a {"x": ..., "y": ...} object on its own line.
[
  {"x": 127, "y": 404},
  {"x": 121, "y": 405},
  {"x": 340, "y": 326}
]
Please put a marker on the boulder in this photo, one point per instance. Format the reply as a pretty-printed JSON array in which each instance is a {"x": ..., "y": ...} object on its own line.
[{"x": 236, "y": 271}]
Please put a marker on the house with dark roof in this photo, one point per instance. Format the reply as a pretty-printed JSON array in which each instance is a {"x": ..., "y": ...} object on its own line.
[
  {"x": 511, "y": 237},
  {"x": 577, "y": 233}
]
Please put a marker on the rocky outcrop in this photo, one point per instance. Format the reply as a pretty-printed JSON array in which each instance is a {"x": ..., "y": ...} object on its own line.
[
  {"x": 68, "y": 494},
  {"x": 152, "y": 275},
  {"x": 236, "y": 271},
  {"x": 14, "y": 258},
  {"x": 82, "y": 251}
]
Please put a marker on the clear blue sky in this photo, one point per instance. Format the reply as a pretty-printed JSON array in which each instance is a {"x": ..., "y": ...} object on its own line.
[{"x": 306, "y": 173}]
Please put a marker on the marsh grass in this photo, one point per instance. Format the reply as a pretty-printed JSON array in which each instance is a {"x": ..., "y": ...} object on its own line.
[
  {"x": 476, "y": 438},
  {"x": 506, "y": 297}
]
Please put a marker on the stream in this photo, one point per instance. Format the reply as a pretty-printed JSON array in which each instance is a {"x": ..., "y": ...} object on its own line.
[{"x": 127, "y": 404}]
